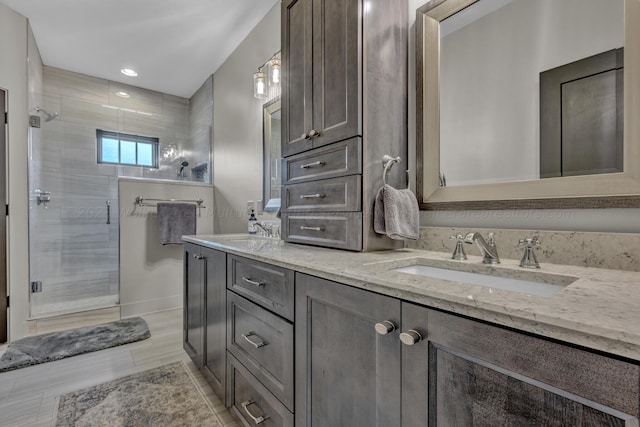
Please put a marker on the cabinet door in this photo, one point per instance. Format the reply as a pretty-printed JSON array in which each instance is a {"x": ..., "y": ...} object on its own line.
[
  {"x": 193, "y": 304},
  {"x": 346, "y": 373},
  {"x": 216, "y": 286},
  {"x": 297, "y": 112},
  {"x": 337, "y": 53},
  {"x": 468, "y": 373},
  {"x": 322, "y": 51}
]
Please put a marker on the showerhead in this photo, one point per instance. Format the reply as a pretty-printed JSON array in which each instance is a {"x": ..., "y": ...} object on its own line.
[
  {"x": 183, "y": 165},
  {"x": 49, "y": 115}
]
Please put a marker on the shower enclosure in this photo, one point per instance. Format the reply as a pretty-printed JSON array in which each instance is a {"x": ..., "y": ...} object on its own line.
[
  {"x": 73, "y": 200},
  {"x": 73, "y": 251}
]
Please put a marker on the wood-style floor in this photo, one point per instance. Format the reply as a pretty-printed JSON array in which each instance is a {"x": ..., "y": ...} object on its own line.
[{"x": 29, "y": 396}]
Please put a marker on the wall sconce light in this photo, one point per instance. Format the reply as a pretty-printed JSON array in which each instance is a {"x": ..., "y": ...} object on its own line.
[
  {"x": 259, "y": 85},
  {"x": 275, "y": 69},
  {"x": 266, "y": 82}
]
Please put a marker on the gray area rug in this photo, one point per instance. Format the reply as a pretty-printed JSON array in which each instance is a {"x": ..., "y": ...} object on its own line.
[
  {"x": 165, "y": 396},
  {"x": 58, "y": 345}
]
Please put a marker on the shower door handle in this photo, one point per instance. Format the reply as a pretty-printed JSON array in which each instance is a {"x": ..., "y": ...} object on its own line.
[{"x": 108, "y": 212}]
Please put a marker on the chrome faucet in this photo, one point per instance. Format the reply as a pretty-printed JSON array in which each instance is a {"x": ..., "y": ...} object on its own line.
[{"x": 487, "y": 248}]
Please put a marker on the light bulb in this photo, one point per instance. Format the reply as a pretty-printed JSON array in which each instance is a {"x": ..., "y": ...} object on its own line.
[
  {"x": 259, "y": 85},
  {"x": 275, "y": 72}
]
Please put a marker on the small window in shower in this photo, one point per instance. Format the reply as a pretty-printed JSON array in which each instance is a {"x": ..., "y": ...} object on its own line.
[{"x": 125, "y": 149}]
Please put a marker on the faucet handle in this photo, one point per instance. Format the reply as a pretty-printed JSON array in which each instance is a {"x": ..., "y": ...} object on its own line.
[
  {"x": 530, "y": 242},
  {"x": 529, "y": 257},
  {"x": 458, "y": 252}
]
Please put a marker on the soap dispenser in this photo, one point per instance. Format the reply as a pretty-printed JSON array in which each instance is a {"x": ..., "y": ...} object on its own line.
[{"x": 252, "y": 223}]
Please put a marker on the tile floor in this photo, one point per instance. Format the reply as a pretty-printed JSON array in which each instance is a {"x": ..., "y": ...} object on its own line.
[{"x": 29, "y": 396}]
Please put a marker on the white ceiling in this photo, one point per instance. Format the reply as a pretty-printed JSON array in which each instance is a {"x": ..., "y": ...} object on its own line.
[{"x": 174, "y": 45}]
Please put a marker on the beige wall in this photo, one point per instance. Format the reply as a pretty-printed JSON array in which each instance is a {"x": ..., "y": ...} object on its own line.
[
  {"x": 603, "y": 220},
  {"x": 237, "y": 125},
  {"x": 151, "y": 274},
  {"x": 13, "y": 78}
]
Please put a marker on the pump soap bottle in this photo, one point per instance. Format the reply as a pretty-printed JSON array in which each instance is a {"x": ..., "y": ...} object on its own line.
[{"x": 252, "y": 223}]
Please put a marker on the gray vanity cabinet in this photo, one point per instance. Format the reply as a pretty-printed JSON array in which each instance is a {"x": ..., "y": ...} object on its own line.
[
  {"x": 205, "y": 312},
  {"x": 194, "y": 304},
  {"x": 346, "y": 373},
  {"x": 344, "y": 106},
  {"x": 468, "y": 373}
]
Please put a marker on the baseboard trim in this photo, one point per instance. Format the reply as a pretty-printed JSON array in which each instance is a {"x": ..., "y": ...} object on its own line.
[{"x": 149, "y": 306}]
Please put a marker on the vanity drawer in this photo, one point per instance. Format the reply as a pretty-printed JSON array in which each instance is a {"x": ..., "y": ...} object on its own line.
[
  {"x": 263, "y": 342},
  {"x": 250, "y": 400},
  {"x": 265, "y": 284},
  {"x": 339, "y": 159},
  {"x": 332, "y": 230},
  {"x": 327, "y": 195}
]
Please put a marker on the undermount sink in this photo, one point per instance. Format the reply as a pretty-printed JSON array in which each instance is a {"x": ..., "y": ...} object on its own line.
[
  {"x": 529, "y": 282},
  {"x": 255, "y": 242}
]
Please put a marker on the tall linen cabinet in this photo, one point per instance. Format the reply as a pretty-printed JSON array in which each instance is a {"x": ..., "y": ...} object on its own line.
[{"x": 344, "y": 106}]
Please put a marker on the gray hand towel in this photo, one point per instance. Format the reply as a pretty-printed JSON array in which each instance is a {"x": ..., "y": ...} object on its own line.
[
  {"x": 396, "y": 214},
  {"x": 174, "y": 221}
]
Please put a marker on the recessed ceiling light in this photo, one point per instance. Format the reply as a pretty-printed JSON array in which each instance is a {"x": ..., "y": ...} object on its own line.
[
  {"x": 122, "y": 94},
  {"x": 129, "y": 72}
]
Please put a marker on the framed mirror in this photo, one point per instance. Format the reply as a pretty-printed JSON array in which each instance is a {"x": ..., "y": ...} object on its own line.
[
  {"x": 271, "y": 140},
  {"x": 482, "y": 125}
]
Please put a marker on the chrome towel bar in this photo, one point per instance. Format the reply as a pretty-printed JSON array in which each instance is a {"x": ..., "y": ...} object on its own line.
[{"x": 140, "y": 201}]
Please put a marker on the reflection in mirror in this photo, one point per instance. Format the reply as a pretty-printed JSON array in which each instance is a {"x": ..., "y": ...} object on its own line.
[
  {"x": 271, "y": 149},
  {"x": 483, "y": 122},
  {"x": 492, "y": 54}
]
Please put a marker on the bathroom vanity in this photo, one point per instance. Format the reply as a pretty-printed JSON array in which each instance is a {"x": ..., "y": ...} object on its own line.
[{"x": 364, "y": 343}]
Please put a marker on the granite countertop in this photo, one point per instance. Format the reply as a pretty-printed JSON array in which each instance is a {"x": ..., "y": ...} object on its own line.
[{"x": 597, "y": 308}]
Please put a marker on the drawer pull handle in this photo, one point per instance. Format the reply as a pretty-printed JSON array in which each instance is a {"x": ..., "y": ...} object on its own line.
[
  {"x": 303, "y": 227},
  {"x": 198, "y": 256},
  {"x": 257, "y": 420},
  {"x": 258, "y": 343},
  {"x": 252, "y": 282},
  {"x": 313, "y": 196},
  {"x": 310, "y": 165}
]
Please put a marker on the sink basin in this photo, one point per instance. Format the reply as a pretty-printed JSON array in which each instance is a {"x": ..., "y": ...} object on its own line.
[
  {"x": 255, "y": 242},
  {"x": 533, "y": 283}
]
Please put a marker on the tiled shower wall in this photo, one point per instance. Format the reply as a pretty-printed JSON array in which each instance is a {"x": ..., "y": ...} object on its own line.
[
  {"x": 73, "y": 251},
  {"x": 201, "y": 123}
]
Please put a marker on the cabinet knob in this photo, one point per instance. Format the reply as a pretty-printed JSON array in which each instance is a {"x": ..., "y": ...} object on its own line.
[
  {"x": 305, "y": 136},
  {"x": 385, "y": 327},
  {"x": 198, "y": 256},
  {"x": 313, "y": 133},
  {"x": 411, "y": 337}
]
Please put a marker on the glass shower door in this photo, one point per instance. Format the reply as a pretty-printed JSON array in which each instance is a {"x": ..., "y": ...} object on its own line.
[{"x": 73, "y": 221}]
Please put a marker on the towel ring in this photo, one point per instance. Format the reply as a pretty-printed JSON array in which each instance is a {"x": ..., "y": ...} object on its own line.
[{"x": 387, "y": 163}]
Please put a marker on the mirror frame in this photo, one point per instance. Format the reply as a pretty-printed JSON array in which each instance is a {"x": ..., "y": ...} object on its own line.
[
  {"x": 587, "y": 191},
  {"x": 268, "y": 108}
]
